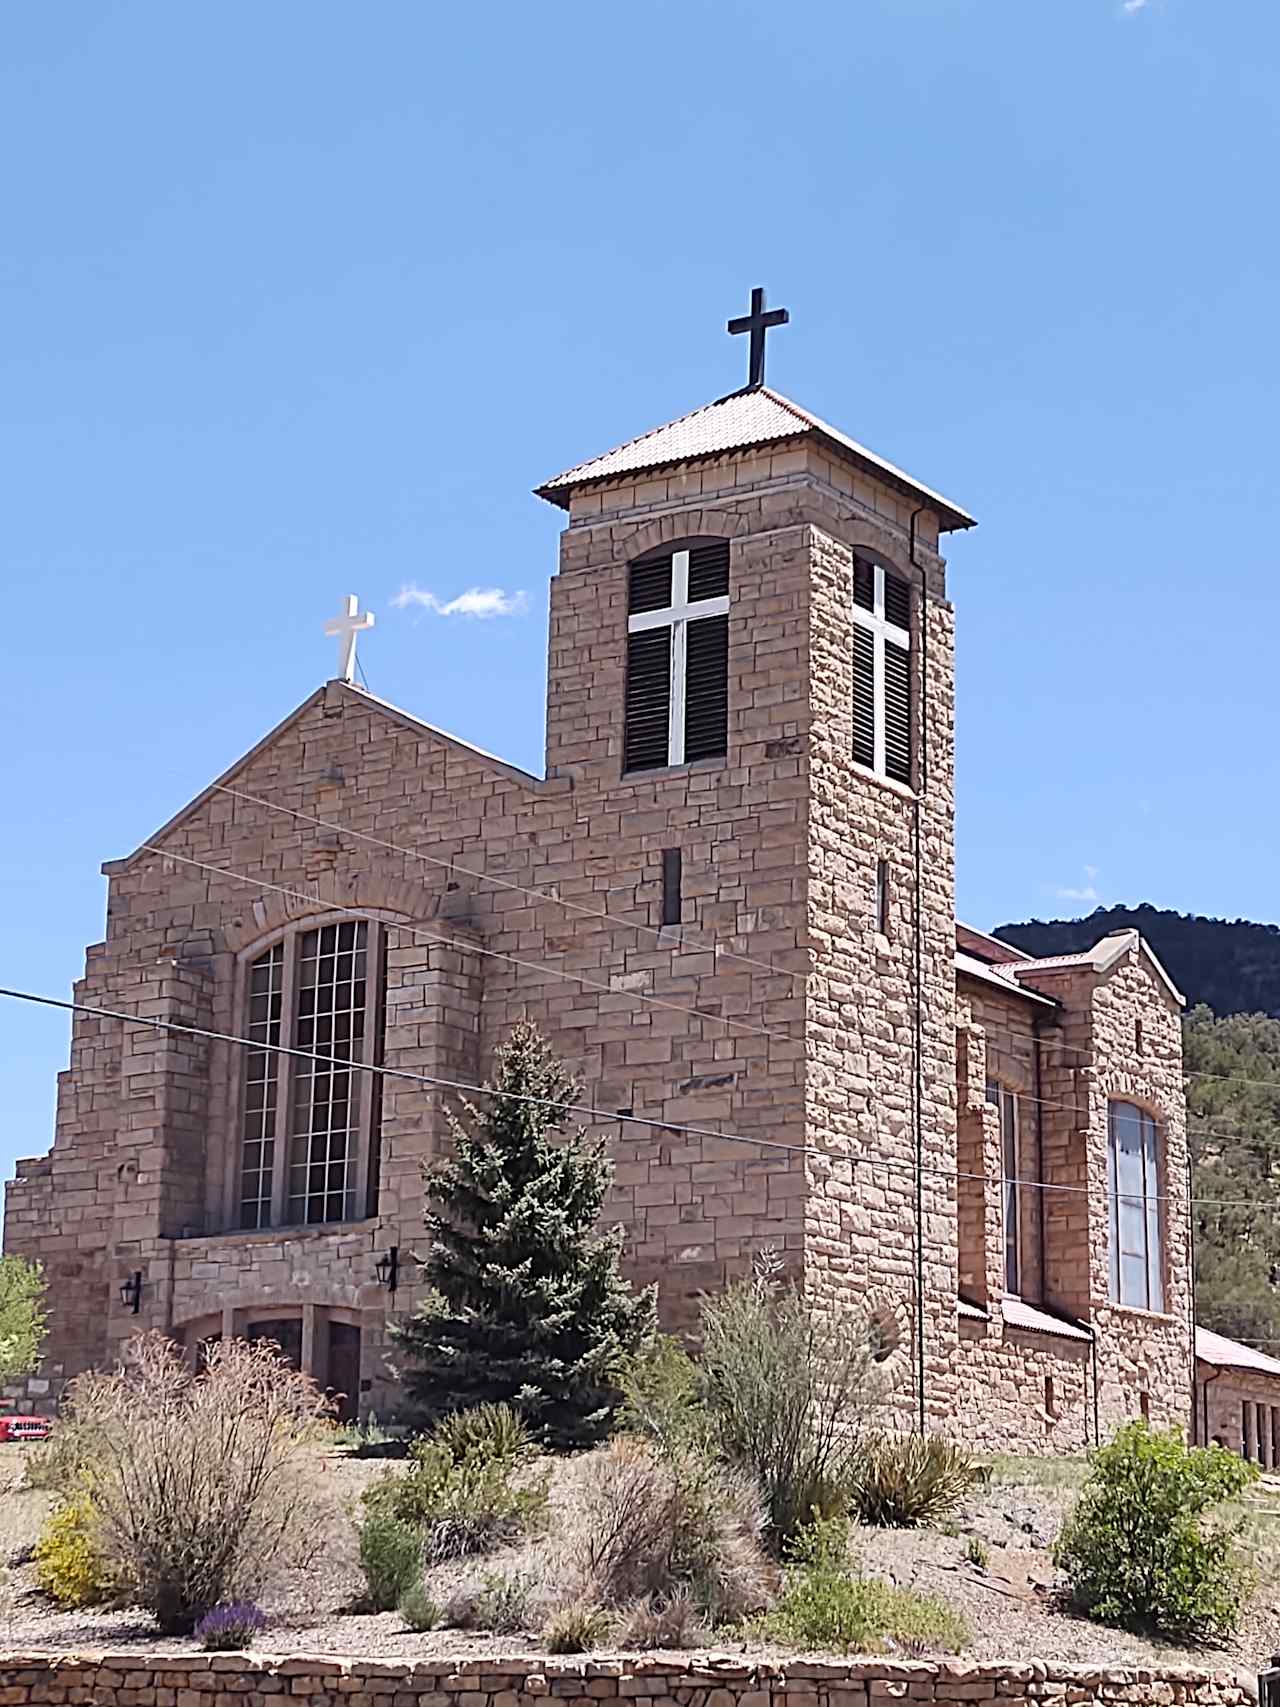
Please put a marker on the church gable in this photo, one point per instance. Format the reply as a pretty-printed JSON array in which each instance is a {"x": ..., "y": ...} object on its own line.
[{"x": 320, "y": 751}]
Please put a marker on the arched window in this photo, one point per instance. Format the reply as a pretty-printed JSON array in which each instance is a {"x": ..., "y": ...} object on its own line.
[
  {"x": 310, "y": 1123},
  {"x": 1133, "y": 1184},
  {"x": 881, "y": 669},
  {"x": 677, "y": 707}
]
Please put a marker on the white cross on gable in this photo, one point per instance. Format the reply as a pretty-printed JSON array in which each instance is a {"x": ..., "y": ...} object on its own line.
[
  {"x": 344, "y": 629},
  {"x": 880, "y": 629},
  {"x": 677, "y": 616}
]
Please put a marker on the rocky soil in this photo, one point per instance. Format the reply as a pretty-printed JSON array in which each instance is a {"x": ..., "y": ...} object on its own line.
[{"x": 992, "y": 1562}]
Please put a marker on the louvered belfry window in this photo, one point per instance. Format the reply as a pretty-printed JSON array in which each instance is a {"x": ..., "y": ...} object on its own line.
[
  {"x": 881, "y": 670},
  {"x": 677, "y": 707}
]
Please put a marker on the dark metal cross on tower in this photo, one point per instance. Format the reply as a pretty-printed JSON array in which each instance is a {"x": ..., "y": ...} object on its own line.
[{"x": 758, "y": 323}]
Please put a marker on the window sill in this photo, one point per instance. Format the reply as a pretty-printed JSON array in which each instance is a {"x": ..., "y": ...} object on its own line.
[
  {"x": 903, "y": 789},
  {"x": 1165, "y": 1317},
  {"x": 660, "y": 773},
  {"x": 286, "y": 1230}
]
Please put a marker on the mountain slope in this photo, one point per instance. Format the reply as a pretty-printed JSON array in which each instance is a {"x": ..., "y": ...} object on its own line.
[{"x": 1232, "y": 966}]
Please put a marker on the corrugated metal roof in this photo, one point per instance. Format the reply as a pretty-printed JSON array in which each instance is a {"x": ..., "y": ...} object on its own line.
[
  {"x": 1101, "y": 958},
  {"x": 1223, "y": 1353},
  {"x": 1032, "y": 1321},
  {"x": 971, "y": 1312},
  {"x": 1000, "y": 978},
  {"x": 742, "y": 419}
]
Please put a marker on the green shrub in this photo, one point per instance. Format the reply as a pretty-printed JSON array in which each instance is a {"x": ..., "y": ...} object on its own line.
[
  {"x": 789, "y": 1395},
  {"x": 826, "y": 1605},
  {"x": 662, "y": 1396},
  {"x": 69, "y": 1560},
  {"x": 500, "y": 1602},
  {"x": 458, "y": 1507},
  {"x": 977, "y": 1552},
  {"x": 418, "y": 1610},
  {"x": 575, "y": 1628},
  {"x": 492, "y": 1433},
  {"x": 1136, "y": 1550},
  {"x": 390, "y": 1557},
  {"x": 903, "y": 1481}
]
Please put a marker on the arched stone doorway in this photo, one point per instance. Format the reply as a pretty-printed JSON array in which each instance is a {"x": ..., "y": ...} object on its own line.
[{"x": 324, "y": 1341}]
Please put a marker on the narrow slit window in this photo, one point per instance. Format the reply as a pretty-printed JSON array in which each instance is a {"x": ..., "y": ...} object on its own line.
[
  {"x": 882, "y": 896},
  {"x": 882, "y": 682},
  {"x": 671, "y": 877},
  {"x": 677, "y": 693}
]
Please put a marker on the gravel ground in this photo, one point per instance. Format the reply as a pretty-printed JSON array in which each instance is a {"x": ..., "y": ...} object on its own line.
[{"x": 1010, "y": 1600}]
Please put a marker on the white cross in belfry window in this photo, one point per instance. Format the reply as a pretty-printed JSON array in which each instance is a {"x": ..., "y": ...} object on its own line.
[
  {"x": 881, "y": 629},
  {"x": 677, "y": 617},
  {"x": 344, "y": 629}
]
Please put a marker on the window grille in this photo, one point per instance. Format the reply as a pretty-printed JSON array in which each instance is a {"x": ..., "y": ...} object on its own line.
[{"x": 318, "y": 991}]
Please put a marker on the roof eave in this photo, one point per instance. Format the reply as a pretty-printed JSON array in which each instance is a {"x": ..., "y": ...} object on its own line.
[{"x": 562, "y": 491}]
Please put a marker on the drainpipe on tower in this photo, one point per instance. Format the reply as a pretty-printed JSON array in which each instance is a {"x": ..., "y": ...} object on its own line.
[
  {"x": 1040, "y": 1195},
  {"x": 918, "y": 1099}
]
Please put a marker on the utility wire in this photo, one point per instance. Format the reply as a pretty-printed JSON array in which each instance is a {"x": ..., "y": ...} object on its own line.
[
  {"x": 557, "y": 972},
  {"x": 605, "y": 1115},
  {"x": 663, "y": 934},
  {"x": 418, "y": 931}
]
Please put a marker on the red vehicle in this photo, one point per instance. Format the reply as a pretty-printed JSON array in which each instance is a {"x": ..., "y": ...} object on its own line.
[{"x": 15, "y": 1427}]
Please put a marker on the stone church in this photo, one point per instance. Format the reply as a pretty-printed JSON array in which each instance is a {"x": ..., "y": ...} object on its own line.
[{"x": 728, "y": 902}]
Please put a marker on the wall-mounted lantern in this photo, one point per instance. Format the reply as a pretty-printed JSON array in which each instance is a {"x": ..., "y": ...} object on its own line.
[
  {"x": 387, "y": 1269},
  {"x": 131, "y": 1291}
]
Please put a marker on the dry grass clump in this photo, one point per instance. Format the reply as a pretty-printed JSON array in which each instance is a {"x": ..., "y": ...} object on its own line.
[
  {"x": 199, "y": 1484},
  {"x": 904, "y": 1481},
  {"x": 661, "y": 1621},
  {"x": 576, "y": 1628},
  {"x": 638, "y": 1523}
]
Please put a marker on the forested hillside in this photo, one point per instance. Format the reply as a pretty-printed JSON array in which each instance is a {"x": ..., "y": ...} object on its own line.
[
  {"x": 1233, "y": 1122},
  {"x": 1230, "y": 965}
]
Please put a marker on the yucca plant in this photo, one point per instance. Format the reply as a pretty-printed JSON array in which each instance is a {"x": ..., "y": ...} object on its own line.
[{"x": 904, "y": 1481}]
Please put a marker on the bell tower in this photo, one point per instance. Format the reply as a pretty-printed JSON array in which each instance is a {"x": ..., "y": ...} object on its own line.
[{"x": 751, "y": 646}]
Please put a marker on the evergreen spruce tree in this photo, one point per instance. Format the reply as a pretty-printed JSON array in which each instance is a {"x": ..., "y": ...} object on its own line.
[{"x": 527, "y": 1303}]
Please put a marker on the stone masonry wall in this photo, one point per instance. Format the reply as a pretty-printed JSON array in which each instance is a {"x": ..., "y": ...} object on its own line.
[
  {"x": 881, "y": 1024},
  {"x": 254, "y": 1680},
  {"x": 613, "y": 995},
  {"x": 1240, "y": 1409}
]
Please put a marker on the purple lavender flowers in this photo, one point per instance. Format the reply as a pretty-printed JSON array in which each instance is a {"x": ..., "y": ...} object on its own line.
[{"x": 232, "y": 1626}]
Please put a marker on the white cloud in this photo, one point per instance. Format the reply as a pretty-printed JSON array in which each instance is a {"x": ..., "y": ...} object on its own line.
[
  {"x": 482, "y": 602},
  {"x": 1085, "y": 891},
  {"x": 1129, "y": 7}
]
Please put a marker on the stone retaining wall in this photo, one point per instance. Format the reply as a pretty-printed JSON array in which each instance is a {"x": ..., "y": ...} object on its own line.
[{"x": 256, "y": 1680}]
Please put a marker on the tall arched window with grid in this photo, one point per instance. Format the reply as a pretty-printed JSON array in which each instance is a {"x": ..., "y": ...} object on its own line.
[{"x": 309, "y": 1122}]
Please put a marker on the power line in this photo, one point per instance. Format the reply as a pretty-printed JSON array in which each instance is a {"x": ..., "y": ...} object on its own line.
[
  {"x": 712, "y": 942},
  {"x": 662, "y": 934},
  {"x": 606, "y": 1116},
  {"x": 473, "y": 947}
]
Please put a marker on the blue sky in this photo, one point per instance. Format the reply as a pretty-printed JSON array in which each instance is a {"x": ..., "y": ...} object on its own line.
[{"x": 297, "y": 300}]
